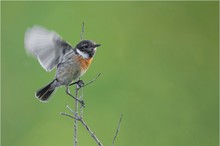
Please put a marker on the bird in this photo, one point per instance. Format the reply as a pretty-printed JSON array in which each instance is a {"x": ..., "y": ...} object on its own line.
[{"x": 53, "y": 52}]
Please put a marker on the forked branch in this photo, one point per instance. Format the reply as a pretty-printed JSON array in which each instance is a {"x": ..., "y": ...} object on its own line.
[{"x": 80, "y": 119}]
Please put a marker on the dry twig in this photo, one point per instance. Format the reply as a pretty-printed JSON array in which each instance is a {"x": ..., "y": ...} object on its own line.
[
  {"x": 119, "y": 123},
  {"x": 78, "y": 116},
  {"x": 81, "y": 36},
  {"x": 86, "y": 126},
  {"x": 92, "y": 80}
]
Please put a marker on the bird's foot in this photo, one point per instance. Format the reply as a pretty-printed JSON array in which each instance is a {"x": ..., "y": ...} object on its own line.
[
  {"x": 82, "y": 103},
  {"x": 79, "y": 84}
]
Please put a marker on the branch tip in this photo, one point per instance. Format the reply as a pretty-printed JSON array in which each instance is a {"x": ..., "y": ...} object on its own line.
[
  {"x": 70, "y": 109},
  {"x": 93, "y": 80},
  {"x": 65, "y": 114},
  {"x": 116, "y": 134},
  {"x": 81, "y": 36}
]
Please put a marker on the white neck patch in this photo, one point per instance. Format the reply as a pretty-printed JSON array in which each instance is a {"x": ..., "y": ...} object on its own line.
[{"x": 83, "y": 54}]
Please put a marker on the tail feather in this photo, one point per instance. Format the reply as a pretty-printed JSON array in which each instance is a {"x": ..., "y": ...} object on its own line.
[{"x": 44, "y": 93}]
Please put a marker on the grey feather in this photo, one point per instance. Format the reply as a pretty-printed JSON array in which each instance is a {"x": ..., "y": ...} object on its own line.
[{"x": 47, "y": 46}]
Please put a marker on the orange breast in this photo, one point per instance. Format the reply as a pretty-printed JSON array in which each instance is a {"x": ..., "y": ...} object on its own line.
[{"x": 85, "y": 63}]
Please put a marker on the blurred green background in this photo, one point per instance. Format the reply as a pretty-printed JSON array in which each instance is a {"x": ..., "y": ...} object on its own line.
[{"x": 159, "y": 66}]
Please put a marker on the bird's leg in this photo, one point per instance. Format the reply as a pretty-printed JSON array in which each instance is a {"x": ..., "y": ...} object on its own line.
[
  {"x": 79, "y": 83},
  {"x": 80, "y": 101}
]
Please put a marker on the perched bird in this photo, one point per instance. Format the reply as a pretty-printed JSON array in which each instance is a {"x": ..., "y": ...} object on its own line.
[{"x": 52, "y": 51}]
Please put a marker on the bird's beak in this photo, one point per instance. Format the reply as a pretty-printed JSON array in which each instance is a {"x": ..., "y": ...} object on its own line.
[{"x": 96, "y": 45}]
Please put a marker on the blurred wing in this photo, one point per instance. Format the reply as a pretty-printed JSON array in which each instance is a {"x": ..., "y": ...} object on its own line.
[{"x": 45, "y": 45}]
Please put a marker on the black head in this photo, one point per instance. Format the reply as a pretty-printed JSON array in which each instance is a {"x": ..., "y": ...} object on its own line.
[{"x": 87, "y": 47}]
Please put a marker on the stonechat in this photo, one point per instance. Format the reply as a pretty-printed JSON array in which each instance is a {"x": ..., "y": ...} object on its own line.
[{"x": 52, "y": 51}]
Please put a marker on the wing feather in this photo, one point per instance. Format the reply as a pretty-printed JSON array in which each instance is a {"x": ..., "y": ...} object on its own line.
[{"x": 47, "y": 46}]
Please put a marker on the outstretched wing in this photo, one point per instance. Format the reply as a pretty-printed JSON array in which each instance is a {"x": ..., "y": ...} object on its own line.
[{"x": 45, "y": 45}]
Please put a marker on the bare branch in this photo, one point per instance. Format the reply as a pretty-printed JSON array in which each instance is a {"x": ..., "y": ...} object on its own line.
[
  {"x": 90, "y": 131},
  {"x": 70, "y": 109},
  {"x": 78, "y": 117},
  {"x": 119, "y": 123},
  {"x": 65, "y": 114},
  {"x": 86, "y": 126},
  {"x": 81, "y": 35},
  {"x": 92, "y": 80},
  {"x": 75, "y": 115}
]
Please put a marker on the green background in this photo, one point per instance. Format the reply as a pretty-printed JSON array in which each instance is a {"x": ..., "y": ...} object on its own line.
[{"x": 158, "y": 64}]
